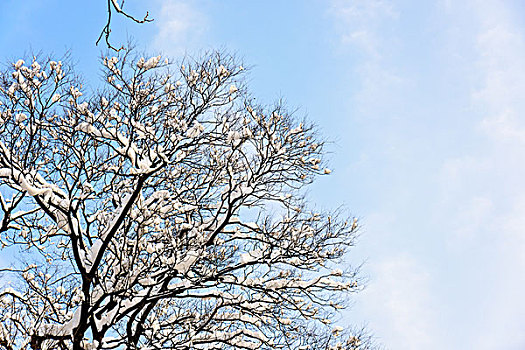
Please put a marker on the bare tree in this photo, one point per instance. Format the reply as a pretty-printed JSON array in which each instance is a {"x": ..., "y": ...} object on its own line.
[
  {"x": 165, "y": 210},
  {"x": 114, "y": 6}
]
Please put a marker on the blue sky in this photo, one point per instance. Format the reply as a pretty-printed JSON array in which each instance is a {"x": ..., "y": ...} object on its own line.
[{"x": 424, "y": 100}]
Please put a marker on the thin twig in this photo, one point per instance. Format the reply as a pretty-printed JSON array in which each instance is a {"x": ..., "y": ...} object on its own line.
[{"x": 106, "y": 31}]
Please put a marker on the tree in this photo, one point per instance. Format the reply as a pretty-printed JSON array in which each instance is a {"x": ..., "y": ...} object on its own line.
[{"x": 165, "y": 210}]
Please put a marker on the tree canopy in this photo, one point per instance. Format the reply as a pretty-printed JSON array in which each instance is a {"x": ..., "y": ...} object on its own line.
[{"x": 164, "y": 210}]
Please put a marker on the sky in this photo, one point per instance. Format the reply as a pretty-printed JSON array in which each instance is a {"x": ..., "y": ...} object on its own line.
[{"x": 423, "y": 101}]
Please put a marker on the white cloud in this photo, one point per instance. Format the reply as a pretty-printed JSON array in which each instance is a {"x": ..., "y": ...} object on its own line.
[
  {"x": 467, "y": 56},
  {"x": 180, "y": 25},
  {"x": 362, "y": 32},
  {"x": 472, "y": 218},
  {"x": 488, "y": 199},
  {"x": 501, "y": 48},
  {"x": 400, "y": 297},
  {"x": 358, "y": 22}
]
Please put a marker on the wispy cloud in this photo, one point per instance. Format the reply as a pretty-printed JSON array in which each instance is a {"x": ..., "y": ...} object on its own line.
[
  {"x": 180, "y": 25},
  {"x": 404, "y": 297},
  {"x": 499, "y": 98},
  {"x": 501, "y": 48},
  {"x": 399, "y": 299},
  {"x": 459, "y": 165},
  {"x": 358, "y": 22}
]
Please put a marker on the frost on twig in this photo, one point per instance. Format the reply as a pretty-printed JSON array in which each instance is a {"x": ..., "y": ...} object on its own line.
[{"x": 165, "y": 210}]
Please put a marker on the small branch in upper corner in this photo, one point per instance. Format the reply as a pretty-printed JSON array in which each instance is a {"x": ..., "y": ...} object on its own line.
[{"x": 106, "y": 31}]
